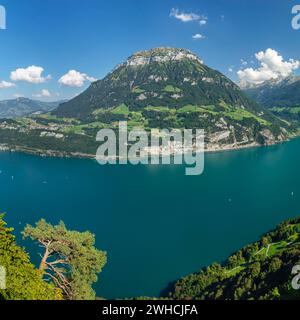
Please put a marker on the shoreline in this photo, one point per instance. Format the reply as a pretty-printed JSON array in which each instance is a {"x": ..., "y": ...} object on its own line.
[{"x": 79, "y": 155}]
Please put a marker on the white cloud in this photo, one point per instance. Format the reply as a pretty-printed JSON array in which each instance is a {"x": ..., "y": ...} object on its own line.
[
  {"x": 272, "y": 66},
  {"x": 75, "y": 79},
  {"x": 187, "y": 17},
  {"x": 18, "y": 95},
  {"x": 91, "y": 79},
  {"x": 198, "y": 36},
  {"x": 32, "y": 74},
  {"x": 244, "y": 62},
  {"x": 230, "y": 69},
  {"x": 184, "y": 17},
  {"x": 45, "y": 93},
  {"x": 5, "y": 85}
]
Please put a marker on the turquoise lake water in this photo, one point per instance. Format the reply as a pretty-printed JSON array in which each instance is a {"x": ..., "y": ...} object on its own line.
[{"x": 155, "y": 223}]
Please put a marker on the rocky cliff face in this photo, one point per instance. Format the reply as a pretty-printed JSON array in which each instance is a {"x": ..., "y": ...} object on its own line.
[{"x": 160, "y": 55}]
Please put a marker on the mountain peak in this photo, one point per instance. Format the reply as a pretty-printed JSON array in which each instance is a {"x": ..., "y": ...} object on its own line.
[
  {"x": 281, "y": 81},
  {"x": 20, "y": 99},
  {"x": 160, "y": 55}
]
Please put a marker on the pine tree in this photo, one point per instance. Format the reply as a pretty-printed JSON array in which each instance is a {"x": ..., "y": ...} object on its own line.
[
  {"x": 23, "y": 281},
  {"x": 70, "y": 259}
]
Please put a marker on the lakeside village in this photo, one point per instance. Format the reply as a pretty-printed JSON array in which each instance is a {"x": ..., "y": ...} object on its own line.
[{"x": 159, "y": 147}]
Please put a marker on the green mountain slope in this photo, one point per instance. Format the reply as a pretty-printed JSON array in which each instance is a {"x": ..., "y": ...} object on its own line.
[
  {"x": 262, "y": 270},
  {"x": 160, "y": 77}
]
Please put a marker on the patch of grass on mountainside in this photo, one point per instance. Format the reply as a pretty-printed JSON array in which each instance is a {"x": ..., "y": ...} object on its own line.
[
  {"x": 295, "y": 110},
  {"x": 192, "y": 108},
  {"x": 225, "y": 106},
  {"x": 138, "y": 90},
  {"x": 81, "y": 129},
  {"x": 51, "y": 117},
  {"x": 240, "y": 114},
  {"x": 172, "y": 89},
  {"x": 136, "y": 119},
  {"x": 99, "y": 111},
  {"x": 159, "y": 109},
  {"x": 121, "y": 110},
  {"x": 292, "y": 110}
]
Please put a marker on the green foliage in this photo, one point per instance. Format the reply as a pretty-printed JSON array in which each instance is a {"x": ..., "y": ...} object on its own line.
[
  {"x": 259, "y": 271},
  {"x": 240, "y": 114},
  {"x": 171, "y": 89},
  {"x": 193, "y": 109},
  {"x": 23, "y": 281},
  {"x": 70, "y": 259},
  {"x": 138, "y": 90}
]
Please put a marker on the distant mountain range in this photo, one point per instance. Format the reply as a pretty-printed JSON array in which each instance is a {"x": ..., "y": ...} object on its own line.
[
  {"x": 21, "y": 107},
  {"x": 282, "y": 97}
]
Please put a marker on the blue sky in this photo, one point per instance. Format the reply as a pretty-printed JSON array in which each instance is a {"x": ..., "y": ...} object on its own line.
[{"x": 92, "y": 36}]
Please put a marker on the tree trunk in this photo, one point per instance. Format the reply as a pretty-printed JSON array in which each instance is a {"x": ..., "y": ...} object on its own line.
[{"x": 43, "y": 264}]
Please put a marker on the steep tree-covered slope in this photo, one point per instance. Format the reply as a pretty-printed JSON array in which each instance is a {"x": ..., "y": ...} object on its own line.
[{"x": 262, "y": 270}]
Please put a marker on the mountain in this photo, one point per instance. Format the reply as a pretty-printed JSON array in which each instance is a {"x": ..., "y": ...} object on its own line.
[
  {"x": 23, "y": 107},
  {"x": 162, "y": 88},
  {"x": 259, "y": 271},
  {"x": 172, "y": 88},
  {"x": 282, "y": 97},
  {"x": 158, "y": 77}
]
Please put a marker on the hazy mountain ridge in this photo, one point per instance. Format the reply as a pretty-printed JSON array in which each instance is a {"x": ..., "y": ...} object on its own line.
[
  {"x": 282, "y": 97},
  {"x": 21, "y": 107}
]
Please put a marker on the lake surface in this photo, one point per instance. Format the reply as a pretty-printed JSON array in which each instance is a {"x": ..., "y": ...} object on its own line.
[{"x": 155, "y": 223}]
